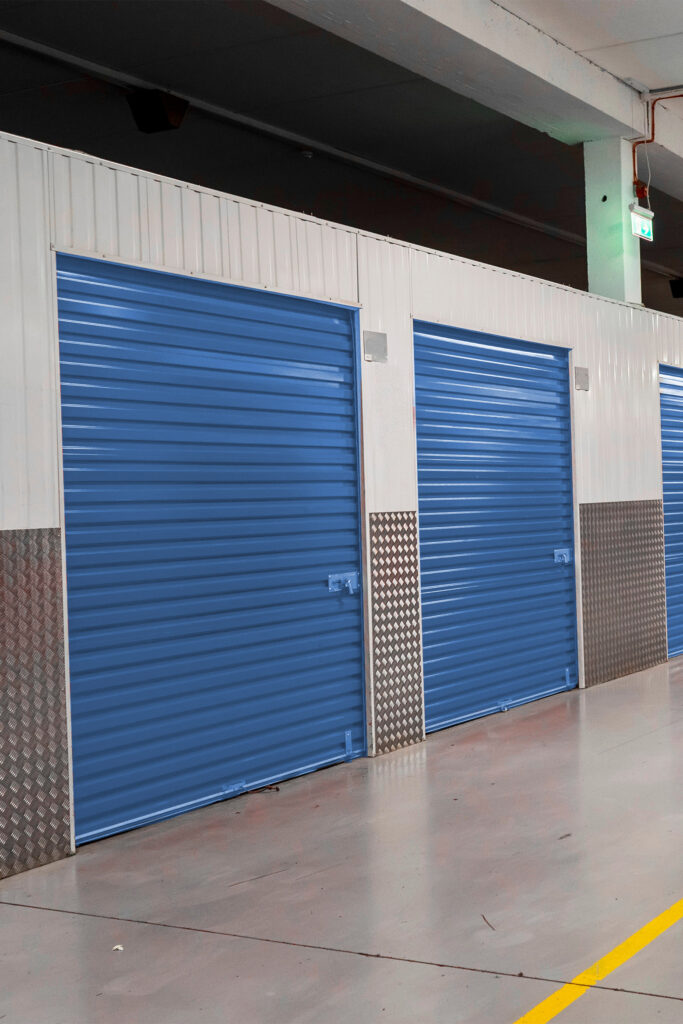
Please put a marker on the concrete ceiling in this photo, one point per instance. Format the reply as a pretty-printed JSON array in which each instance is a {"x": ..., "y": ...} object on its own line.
[
  {"x": 254, "y": 59},
  {"x": 639, "y": 41},
  {"x": 260, "y": 62}
]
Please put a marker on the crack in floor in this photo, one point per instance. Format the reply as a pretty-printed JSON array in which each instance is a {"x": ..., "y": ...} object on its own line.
[{"x": 336, "y": 949}]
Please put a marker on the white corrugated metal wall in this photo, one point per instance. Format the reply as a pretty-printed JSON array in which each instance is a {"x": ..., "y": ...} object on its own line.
[
  {"x": 119, "y": 214},
  {"x": 29, "y": 489},
  {"x": 388, "y": 426},
  {"x": 56, "y": 200}
]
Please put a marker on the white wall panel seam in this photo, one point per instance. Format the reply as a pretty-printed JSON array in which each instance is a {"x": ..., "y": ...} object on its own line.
[
  {"x": 21, "y": 363},
  {"x": 417, "y": 509},
  {"x": 370, "y": 719}
]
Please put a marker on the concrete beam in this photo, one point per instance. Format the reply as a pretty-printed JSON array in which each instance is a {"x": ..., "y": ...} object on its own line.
[{"x": 478, "y": 49}]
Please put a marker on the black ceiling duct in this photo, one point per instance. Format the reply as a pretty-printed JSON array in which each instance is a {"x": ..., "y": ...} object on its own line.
[
  {"x": 676, "y": 285},
  {"x": 156, "y": 111}
]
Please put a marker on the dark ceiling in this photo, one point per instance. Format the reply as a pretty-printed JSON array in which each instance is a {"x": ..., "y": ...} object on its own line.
[{"x": 252, "y": 59}]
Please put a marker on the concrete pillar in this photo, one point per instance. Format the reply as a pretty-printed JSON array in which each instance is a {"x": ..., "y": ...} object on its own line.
[{"x": 613, "y": 252}]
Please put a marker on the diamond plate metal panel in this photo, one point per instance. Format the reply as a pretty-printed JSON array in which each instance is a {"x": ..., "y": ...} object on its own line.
[
  {"x": 396, "y": 630},
  {"x": 35, "y": 825},
  {"x": 623, "y": 588}
]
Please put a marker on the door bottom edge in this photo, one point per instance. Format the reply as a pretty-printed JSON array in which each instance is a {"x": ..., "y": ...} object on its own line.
[
  {"x": 497, "y": 709},
  {"x": 240, "y": 789}
]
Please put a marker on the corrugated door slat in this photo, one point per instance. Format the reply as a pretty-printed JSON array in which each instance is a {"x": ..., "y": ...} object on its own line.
[
  {"x": 211, "y": 485},
  {"x": 495, "y": 502},
  {"x": 671, "y": 393}
]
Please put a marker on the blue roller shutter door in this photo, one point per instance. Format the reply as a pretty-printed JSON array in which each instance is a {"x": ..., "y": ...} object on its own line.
[
  {"x": 496, "y": 522},
  {"x": 671, "y": 393},
  {"x": 211, "y": 487}
]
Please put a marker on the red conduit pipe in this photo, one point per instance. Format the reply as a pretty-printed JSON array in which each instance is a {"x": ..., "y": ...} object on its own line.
[{"x": 641, "y": 189}]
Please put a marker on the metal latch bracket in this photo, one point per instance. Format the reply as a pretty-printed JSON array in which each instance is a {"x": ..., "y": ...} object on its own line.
[{"x": 339, "y": 581}]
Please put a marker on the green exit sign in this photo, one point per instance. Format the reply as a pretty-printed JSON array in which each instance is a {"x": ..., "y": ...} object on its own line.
[{"x": 641, "y": 222}]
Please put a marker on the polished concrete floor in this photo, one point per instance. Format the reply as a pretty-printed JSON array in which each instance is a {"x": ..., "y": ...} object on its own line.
[{"x": 463, "y": 880}]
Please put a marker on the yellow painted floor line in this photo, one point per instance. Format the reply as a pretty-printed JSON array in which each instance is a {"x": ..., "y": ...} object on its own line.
[{"x": 574, "y": 989}]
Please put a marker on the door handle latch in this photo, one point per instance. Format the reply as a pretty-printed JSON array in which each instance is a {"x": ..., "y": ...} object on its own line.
[
  {"x": 338, "y": 581},
  {"x": 563, "y": 556}
]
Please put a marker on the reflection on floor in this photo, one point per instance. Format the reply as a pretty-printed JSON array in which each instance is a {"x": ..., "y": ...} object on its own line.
[{"x": 462, "y": 880}]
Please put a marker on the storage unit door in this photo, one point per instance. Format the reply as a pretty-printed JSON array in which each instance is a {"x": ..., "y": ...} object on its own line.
[
  {"x": 211, "y": 488},
  {"x": 671, "y": 390},
  {"x": 496, "y": 522}
]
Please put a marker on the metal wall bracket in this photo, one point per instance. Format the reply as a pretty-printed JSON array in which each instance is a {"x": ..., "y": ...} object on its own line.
[
  {"x": 234, "y": 788},
  {"x": 348, "y": 745},
  {"x": 339, "y": 581}
]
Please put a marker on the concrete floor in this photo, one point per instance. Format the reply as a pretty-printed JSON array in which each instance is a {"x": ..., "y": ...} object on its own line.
[{"x": 463, "y": 880}]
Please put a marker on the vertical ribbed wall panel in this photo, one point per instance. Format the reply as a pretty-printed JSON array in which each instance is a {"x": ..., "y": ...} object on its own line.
[
  {"x": 121, "y": 214},
  {"x": 388, "y": 425},
  {"x": 29, "y": 495}
]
